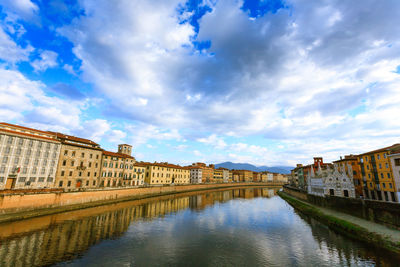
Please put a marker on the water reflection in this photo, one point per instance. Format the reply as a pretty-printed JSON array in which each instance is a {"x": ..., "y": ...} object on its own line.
[{"x": 242, "y": 227}]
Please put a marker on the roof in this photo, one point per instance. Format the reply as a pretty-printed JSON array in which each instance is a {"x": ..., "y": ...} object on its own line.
[
  {"x": 30, "y": 135},
  {"x": 124, "y": 145},
  {"x": 346, "y": 158},
  {"x": 115, "y": 154},
  {"x": 166, "y": 164},
  {"x": 64, "y": 137},
  {"x": 23, "y": 127},
  {"x": 381, "y": 149}
]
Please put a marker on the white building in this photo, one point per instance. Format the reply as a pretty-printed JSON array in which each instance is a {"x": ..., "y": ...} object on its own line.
[
  {"x": 28, "y": 157},
  {"x": 270, "y": 177},
  {"x": 332, "y": 181},
  {"x": 395, "y": 162},
  {"x": 196, "y": 175}
]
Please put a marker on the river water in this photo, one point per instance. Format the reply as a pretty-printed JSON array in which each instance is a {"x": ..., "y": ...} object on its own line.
[{"x": 239, "y": 227}]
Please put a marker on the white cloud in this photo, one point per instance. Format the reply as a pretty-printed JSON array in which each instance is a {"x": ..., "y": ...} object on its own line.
[
  {"x": 48, "y": 59},
  {"x": 213, "y": 140},
  {"x": 24, "y": 9},
  {"x": 10, "y": 51}
]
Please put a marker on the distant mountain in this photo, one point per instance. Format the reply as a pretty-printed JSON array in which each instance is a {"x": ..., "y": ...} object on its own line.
[{"x": 250, "y": 167}]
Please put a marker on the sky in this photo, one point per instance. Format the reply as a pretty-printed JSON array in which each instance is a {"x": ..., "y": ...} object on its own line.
[{"x": 264, "y": 82}]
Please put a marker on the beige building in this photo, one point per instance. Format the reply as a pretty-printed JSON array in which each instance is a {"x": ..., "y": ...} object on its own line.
[
  {"x": 244, "y": 175},
  {"x": 28, "y": 157},
  {"x": 118, "y": 169},
  {"x": 79, "y": 162},
  {"x": 166, "y": 173}
]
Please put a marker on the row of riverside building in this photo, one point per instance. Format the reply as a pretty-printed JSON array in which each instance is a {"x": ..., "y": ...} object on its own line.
[
  {"x": 35, "y": 159},
  {"x": 371, "y": 175}
]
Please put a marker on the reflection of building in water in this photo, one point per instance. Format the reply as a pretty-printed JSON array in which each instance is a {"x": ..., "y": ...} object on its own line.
[
  {"x": 70, "y": 238},
  {"x": 65, "y": 240}
]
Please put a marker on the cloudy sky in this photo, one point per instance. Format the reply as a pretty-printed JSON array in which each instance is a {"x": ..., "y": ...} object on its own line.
[{"x": 265, "y": 82}]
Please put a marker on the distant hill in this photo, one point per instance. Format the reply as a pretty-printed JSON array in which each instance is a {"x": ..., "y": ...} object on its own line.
[{"x": 250, "y": 167}]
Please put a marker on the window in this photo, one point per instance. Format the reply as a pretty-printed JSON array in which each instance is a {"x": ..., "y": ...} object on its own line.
[
  {"x": 26, "y": 162},
  {"x": 38, "y": 153},
  {"x": 21, "y": 142},
  {"x": 96, "y": 165},
  {"x": 380, "y": 166},
  {"x": 95, "y": 174},
  {"x": 18, "y": 152},
  {"x": 46, "y": 154},
  {"x": 31, "y": 143},
  {"x": 29, "y": 152},
  {"x": 41, "y": 179},
  {"x": 49, "y": 179},
  {"x": 73, "y": 153},
  {"x": 70, "y": 173},
  {"x": 25, "y": 170},
  {"x": 44, "y": 162},
  {"x": 378, "y": 156},
  {"x": 88, "y": 174},
  {"x": 80, "y": 173},
  {"x": 60, "y": 184},
  {"x": 39, "y": 145},
  {"x": 381, "y": 175},
  {"x": 111, "y": 165},
  {"x": 105, "y": 164},
  {"x": 1, "y": 179},
  {"x": 91, "y": 156},
  {"x": 94, "y": 183},
  {"x": 386, "y": 165},
  {"x": 53, "y": 163},
  {"x": 397, "y": 162},
  {"x": 32, "y": 179},
  {"x": 5, "y": 159},
  {"x": 369, "y": 175},
  {"x": 90, "y": 164},
  {"x": 367, "y": 167},
  {"x": 384, "y": 185},
  {"x": 2, "y": 169},
  {"x": 72, "y": 163},
  {"x": 22, "y": 179},
  {"x": 97, "y": 156},
  {"x": 8, "y": 149},
  {"x": 388, "y": 175},
  {"x": 390, "y": 185},
  {"x": 34, "y": 170},
  {"x": 16, "y": 160},
  {"x": 62, "y": 173},
  {"x": 36, "y": 162},
  {"x": 10, "y": 140},
  {"x": 87, "y": 183},
  {"x": 69, "y": 183},
  {"x": 64, "y": 162},
  {"x": 83, "y": 155},
  {"x": 384, "y": 155},
  {"x": 48, "y": 146}
]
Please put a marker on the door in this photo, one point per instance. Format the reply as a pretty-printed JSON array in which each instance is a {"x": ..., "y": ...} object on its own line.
[{"x": 10, "y": 183}]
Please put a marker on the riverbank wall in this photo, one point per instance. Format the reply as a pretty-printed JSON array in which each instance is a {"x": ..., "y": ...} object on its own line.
[
  {"x": 22, "y": 205},
  {"x": 342, "y": 226},
  {"x": 387, "y": 213}
]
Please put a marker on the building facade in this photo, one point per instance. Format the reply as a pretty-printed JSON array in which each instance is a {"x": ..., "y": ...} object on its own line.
[
  {"x": 377, "y": 174},
  {"x": 395, "y": 163},
  {"x": 28, "y": 157},
  {"x": 119, "y": 170},
  {"x": 221, "y": 175},
  {"x": 331, "y": 181},
  {"x": 166, "y": 173},
  {"x": 350, "y": 164},
  {"x": 79, "y": 163},
  {"x": 244, "y": 175}
]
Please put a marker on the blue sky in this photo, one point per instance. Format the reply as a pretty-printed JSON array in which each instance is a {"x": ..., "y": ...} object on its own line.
[{"x": 263, "y": 82}]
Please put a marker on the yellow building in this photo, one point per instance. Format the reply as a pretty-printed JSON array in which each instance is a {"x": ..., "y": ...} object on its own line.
[
  {"x": 377, "y": 175},
  {"x": 79, "y": 162},
  {"x": 244, "y": 175},
  {"x": 221, "y": 175},
  {"x": 166, "y": 173}
]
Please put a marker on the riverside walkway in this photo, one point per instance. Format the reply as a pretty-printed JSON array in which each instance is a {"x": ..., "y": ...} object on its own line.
[{"x": 388, "y": 233}]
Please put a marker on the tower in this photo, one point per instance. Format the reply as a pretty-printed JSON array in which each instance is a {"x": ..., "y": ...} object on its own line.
[{"x": 125, "y": 149}]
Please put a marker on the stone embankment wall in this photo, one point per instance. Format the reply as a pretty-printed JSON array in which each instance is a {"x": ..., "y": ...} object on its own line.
[
  {"x": 382, "y": 212},
  {"x": 17, "y": 202}
]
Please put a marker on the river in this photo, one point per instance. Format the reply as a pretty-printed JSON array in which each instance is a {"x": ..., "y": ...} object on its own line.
[{"x": 236, "y": 227}]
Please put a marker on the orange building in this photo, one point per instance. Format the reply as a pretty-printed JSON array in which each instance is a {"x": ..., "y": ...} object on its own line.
[
  {"x": 377, "y": 174},
  {"x": 244, "y": 175},
  {"x": 207, "y": 172}
]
